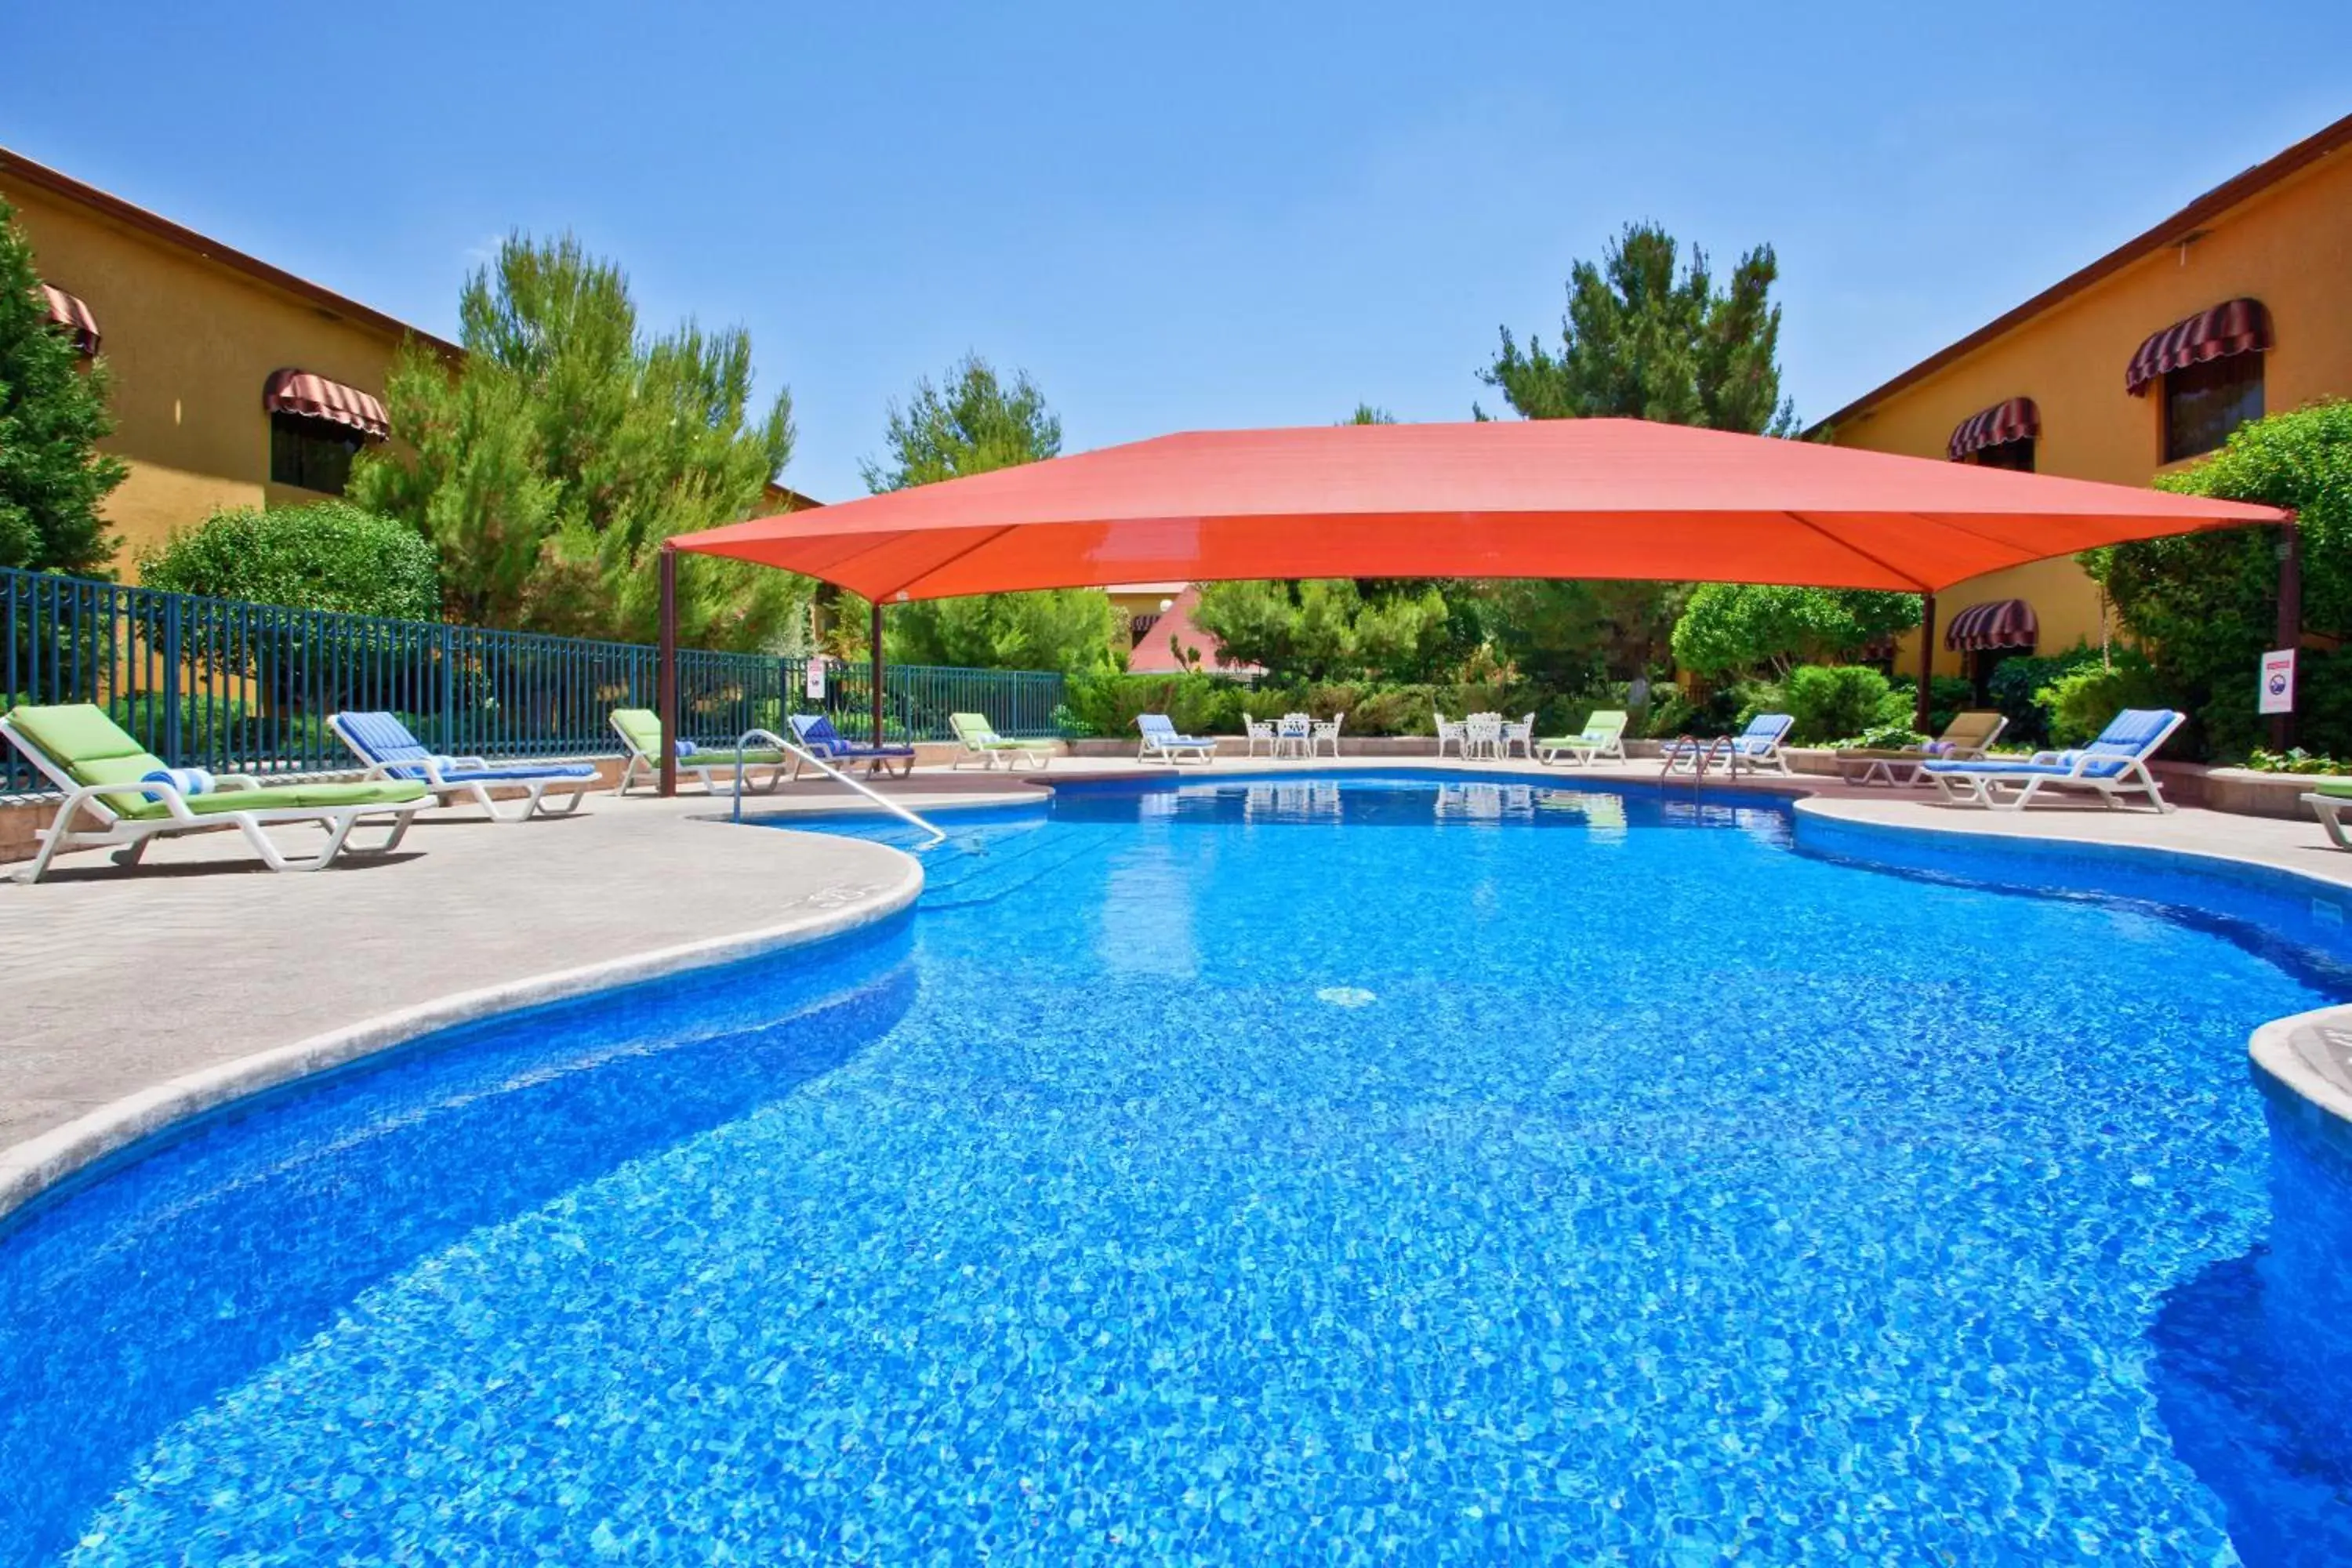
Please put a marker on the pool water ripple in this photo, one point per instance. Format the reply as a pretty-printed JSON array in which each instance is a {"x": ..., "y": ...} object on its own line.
[{"x": 1679, "y": 1199}]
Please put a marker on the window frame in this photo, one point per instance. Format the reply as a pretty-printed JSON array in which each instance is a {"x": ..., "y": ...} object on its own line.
[
  {"x": 2166, "y": 454},
  {"x": 309, "y": 434}
]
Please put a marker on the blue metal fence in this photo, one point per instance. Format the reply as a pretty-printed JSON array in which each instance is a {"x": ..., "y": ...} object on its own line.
[{"x": 244, "y": 688}]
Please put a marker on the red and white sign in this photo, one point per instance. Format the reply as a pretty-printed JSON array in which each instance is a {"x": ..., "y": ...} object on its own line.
[
  {"x": 2278, "y": 682},
  {"x": 813, "y": 687}
]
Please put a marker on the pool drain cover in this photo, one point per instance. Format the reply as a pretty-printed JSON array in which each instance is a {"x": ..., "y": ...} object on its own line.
[{"x": 1346, "y": 996}]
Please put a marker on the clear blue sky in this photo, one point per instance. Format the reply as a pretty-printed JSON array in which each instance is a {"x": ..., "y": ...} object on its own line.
[{"x": 1178, "y": 217}]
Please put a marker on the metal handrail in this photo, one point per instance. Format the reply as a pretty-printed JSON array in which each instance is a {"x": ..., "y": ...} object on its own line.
[{"x": 804, "y": 754}]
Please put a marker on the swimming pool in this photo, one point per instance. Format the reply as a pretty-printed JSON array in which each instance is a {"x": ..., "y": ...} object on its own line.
[{"x": 1369, "y": 1170}]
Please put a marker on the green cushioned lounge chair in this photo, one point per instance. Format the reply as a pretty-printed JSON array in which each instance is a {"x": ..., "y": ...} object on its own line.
[
  {"x": 1603, "y": 739},
  {"x": 983, "y": 744},
  {"x": 129, "y": 797},
  {"x": 640, "y": 730},
  {"x": 2331, "y": 798}
]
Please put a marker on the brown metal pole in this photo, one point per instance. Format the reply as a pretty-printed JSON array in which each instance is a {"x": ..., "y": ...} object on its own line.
[
  {"x": 2290, "y": 618},
  {"x": 666, "y": 672},
  {"x": 876, "y": 635},
  {"x": 1926, "y": 660}
]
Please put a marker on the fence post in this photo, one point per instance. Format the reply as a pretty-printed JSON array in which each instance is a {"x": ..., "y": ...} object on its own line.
[
  {"x": 448, "y": 646},
  {"x": 174, "y": 743}
]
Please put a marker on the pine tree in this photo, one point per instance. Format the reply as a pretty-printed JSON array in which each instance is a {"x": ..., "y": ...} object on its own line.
[
  {"x": 974, "y": 422},
  {"x": 53, "y": 414},
  {"x": 549, "y": 467},
  {"x": 1643, "y": 341}
]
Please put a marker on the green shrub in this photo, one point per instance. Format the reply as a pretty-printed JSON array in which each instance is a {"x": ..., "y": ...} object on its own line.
[
  {"x": 2204, "y": 604},
  {"x": 330, "y": 556},
  {"x": 2015, "y": 683},
  {"x": 1832, "y": 701},
  {"x": 2080, "y": 704},
  {"x": 2295, "y": 760},
  {"x": 1198, "y": 704}
]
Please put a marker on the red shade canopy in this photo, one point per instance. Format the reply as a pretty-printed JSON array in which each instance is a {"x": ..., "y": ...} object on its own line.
[{"x": 1568, "y": 498}]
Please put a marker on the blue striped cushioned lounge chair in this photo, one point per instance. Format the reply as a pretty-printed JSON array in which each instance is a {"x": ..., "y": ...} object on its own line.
[
  {"x": 816, "y": 731},
  {"x": 2115, "y": 764},
  {"x": 1756, "y": 748},
  {"x": 1161, "y": 739},
  {"x": 392, "y": 751}
]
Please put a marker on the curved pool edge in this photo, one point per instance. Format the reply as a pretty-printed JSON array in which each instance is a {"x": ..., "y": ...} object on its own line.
[
  {"x": 40, "y": 1164},
  {"x": 2308, "y": 1054}
]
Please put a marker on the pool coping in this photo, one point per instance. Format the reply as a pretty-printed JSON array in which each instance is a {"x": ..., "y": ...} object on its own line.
[
  {"x": 37, "y": 1165},
  {"x": 2308, "y": 1054}
]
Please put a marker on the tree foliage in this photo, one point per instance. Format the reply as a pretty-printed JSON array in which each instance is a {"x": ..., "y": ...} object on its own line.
[
  {"x": 53, "y": 413},
  {"x": 328, "y": 555},
  {"x": 1738, "y": 628},
  {"x": 973, "y": 423},
  {"x": 1326, "y": 628},
  {"x": 2204, "y": 605},
  {"x": 550, "y": 465},
  {"x": 1648, "y": 337}
]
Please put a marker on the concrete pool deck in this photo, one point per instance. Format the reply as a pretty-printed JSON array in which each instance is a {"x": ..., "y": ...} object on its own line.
[{"x": 140, "y": 997}]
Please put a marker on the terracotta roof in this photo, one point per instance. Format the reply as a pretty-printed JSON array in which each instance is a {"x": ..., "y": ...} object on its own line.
[
  {"x": 1154, "y": 656},
  {"x": 2180, "y": 226},
  {"x": 16, "y": 166}
]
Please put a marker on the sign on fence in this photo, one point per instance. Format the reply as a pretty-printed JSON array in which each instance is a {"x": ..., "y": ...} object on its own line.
[
  {"x": 814, "y": 686},
  {"x": 2277, "y": 694}
]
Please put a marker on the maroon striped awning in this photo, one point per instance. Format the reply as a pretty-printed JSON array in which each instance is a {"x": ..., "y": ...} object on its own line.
[
  {"x": 315, "y": 397},
  {"x": 2238, "y": 327},
  {"x": 2015, "y": 420},
  {"x": 74, "y": 316},
  {"x": 1996, "y": 623}
]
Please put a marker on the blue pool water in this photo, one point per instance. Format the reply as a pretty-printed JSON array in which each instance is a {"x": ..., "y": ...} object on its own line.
[{"x": 1387, "y": 1172}]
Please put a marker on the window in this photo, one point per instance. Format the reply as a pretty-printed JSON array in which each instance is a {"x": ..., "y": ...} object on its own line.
[
  {"x": 2203, "y": 403},
  {"x": 310, "y": 454},
  {"x": 2017, "y": 455}
]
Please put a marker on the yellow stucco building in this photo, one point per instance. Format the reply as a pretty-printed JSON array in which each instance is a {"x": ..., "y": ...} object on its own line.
[
  {"x": 235, "y": 382},
  {"x": 2237, "y": 305}
]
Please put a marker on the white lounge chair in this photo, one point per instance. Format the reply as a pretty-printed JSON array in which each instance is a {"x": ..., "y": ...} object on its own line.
[
  {"x": 392, "y": 751},
  {"x": 2115, "y": 764},
  {"x": 1161, "y": 741},
  {"x": 984, "y": 745},
  {"x": 1756, "y": 748},
  {"x": 1604, "y": 739},
  {"x": 132, "y": 798},
  {"x": 640, "y": 730},
  {"x": 2329, "y": 800}
]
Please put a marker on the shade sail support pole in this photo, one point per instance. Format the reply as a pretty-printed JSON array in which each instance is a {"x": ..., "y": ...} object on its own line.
[
  {"x": 875, "y": 636},
  {"x": 666, "y": 669},
  {"x": 1927, "y": 661},
  {"x": 2290, "y": 618}
]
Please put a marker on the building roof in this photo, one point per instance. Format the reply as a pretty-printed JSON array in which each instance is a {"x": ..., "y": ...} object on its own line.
[
  {"x": 1156, "y": 654},
  {"x": 40, "y": 177},
  {"x": 2179, "y": 227}
]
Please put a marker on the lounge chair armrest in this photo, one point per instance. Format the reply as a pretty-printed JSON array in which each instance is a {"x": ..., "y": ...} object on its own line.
[
  {"x": 82, "y": 794},
  {"x": 236, "y": 780}
]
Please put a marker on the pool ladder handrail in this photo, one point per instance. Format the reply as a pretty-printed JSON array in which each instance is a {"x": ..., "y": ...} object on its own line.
[
  {"x": 937, "y": 835},
  {"x": 1705, "y": 753}
]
